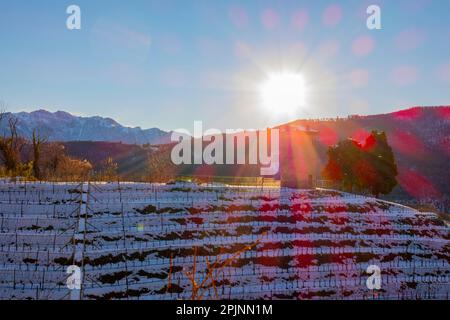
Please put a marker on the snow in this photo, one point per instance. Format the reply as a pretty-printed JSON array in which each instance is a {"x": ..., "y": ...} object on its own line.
[{"x": 308, "y": 244}]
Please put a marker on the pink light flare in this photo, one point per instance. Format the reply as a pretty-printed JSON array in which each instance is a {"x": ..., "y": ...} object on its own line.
[
  {"x": 406, "y": 143},
  {"x": 300, "y": 19},
  {"x": 410, "y": 39},
  {"x": 328, "y": 137},
  {"x": 360, "y": 136},
  {"x": 416, "y": 184},
  {"x": 269, "y": 19},
  {"x": 332, "y": 15},
  {"x": 444, "y": 112},
  {"x": 363, "y": 45},
  {"x": 404, "y": 75},
  {"x": 408, "y": 115}
]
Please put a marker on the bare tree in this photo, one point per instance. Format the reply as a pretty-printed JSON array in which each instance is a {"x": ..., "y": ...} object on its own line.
[
  {"x": 37, "y": 140},
  {"x": 11, "y": 144}
]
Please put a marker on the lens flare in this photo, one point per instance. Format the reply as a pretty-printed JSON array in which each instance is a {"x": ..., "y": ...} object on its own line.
[{"x": 283, "y": 92}]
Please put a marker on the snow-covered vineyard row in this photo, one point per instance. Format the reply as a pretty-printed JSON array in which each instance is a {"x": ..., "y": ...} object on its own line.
[{"x": 140, "y": 241}]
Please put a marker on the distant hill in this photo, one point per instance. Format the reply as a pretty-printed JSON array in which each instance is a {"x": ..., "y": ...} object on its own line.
[
  {"x": 419, "y": 136},
  {"x": 63, "y": 126}
]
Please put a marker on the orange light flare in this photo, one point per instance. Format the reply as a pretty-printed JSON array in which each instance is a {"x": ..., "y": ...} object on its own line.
[
  {"x": 298, "y": 155},
  {"x": 297, "y": 161}
]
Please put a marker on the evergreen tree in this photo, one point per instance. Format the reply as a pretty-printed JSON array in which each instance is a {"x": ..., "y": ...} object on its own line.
[{"x": 370, "y": 166}]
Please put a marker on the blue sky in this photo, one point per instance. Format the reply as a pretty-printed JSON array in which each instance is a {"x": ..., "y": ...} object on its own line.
[{"x": 167, "y": 63}]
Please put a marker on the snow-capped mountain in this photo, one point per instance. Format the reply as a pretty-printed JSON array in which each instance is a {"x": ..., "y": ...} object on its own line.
[{"x": 63, "y": 126}]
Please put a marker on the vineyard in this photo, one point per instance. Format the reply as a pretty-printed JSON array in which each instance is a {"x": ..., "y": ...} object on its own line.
[{"x": 188, "y": 241}]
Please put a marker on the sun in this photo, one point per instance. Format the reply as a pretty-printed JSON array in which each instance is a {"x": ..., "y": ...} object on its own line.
[{"x": 283, "y": 93}]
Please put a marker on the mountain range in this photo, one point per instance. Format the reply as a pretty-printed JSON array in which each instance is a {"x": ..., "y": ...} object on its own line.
[{"x": 62, "y": 126}]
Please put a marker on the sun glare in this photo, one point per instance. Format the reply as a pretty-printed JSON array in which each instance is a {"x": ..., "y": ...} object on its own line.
[{"x": 283, "y": 93}]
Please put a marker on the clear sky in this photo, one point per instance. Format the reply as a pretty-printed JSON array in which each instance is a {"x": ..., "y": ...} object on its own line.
[{"x": 167, "y": 63}]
